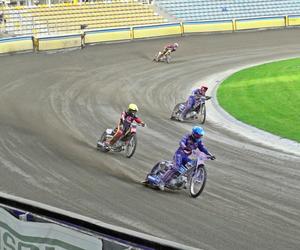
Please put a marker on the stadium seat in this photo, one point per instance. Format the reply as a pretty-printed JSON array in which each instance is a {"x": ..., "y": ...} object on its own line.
[
  {"x": 199, "y": 10},
  {"x": 67, "y": 17}
]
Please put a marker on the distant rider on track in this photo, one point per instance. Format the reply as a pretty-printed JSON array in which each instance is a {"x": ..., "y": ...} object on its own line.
[
  {"x": 194, "y": 100},
  {"x": 168, "y": 48},
  {"x": 127, "y": 117},
  {"x": 189, "y": 142}
]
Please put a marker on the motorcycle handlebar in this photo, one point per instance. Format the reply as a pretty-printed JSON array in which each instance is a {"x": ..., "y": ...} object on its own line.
[
  {"x": 211, "y": 157},
  {"x": 139, "y": 124}
]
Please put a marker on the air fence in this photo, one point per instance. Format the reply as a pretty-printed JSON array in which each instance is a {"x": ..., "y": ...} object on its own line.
[
  {"x": 87, "y": 37},
  {"x": 26, "y": 224}
]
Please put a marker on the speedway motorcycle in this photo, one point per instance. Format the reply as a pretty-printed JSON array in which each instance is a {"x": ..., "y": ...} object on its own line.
[
  {"x": 198, "y": 112},
  {"x": 192, "y": 176},
  {"x": 126, "y": 143},
  {"x": 163, "y": 57}
]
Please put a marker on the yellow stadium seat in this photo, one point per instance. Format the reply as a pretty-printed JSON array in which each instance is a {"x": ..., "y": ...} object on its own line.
[{"x": 65, "y": 17}]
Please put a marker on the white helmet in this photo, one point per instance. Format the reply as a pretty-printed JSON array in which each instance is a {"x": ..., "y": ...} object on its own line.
[{"x": 176, "y": 45}]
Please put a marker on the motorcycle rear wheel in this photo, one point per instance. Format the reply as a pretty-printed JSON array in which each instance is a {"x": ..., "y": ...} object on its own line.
[
  {"x": 102, "y": 139},
  {"x": 176, "y": 111},
  {"x": 131, "y": 146},
  {"x": 168, "y": 59},
  {"x": 197, "y": 182},
  {"x": 157, "y": 57}
]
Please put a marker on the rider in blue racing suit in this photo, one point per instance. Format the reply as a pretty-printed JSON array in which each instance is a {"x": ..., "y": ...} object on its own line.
[
  {"x": 194, "y": 100},
  {"x": 188, "y": 143}
]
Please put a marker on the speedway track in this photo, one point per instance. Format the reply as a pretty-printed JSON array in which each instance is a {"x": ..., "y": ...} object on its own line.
[{"x": 54, "y": 106}]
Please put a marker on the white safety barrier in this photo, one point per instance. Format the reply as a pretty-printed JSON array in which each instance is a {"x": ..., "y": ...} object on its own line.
[
  {"x": 18, "y": 234},
  {"x": 60, "y": 222}
]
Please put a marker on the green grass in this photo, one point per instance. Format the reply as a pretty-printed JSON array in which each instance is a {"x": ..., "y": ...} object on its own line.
[{"x": 266, "y": 96}]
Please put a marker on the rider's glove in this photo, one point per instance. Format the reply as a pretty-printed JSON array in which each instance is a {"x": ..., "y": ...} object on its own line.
[
  {"x": 187, "y": 150},
  {"x": 212, "y": 157}
]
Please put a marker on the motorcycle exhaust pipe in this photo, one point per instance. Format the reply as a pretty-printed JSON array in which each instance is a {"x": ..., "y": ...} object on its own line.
[{"x": 152, "y": 179}]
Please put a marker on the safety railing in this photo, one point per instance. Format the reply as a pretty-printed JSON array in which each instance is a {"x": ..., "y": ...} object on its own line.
[{"x": 89, "y": 36}]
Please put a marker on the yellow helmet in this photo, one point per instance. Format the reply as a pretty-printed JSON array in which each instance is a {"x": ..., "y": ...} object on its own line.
[{"x": 133, "y": 107}]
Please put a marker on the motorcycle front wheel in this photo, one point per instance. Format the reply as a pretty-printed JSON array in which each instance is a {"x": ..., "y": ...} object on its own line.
[
  {"x": 197, "y": 182},
  {"x": 131, "y": 146},
  {"x": 202, "y": 114}
]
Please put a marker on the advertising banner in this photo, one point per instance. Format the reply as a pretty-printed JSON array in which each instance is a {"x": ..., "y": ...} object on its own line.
[
  {"x": 15, "y": 44},
  {"x": 16, "y": 234}
]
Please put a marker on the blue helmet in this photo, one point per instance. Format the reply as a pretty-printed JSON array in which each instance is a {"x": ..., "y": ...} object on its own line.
[{"x": 197, "y": 132}]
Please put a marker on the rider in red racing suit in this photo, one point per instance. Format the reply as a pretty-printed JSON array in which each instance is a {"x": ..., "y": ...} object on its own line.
[
  {"x": 127, "y": 117},
  {"x": 169, "y": 48}
]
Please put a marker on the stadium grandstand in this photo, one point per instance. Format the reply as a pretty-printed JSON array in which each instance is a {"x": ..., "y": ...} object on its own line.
[
  {"x": 51, "y": 17},
  {"x": 48, "y": 18},
  {"x": 203, "y": 10}
]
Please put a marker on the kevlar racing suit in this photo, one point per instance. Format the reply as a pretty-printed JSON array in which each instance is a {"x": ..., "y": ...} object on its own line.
[
  {"x": 125, "y": 122},
  {"x": 181, "y": 156},
  {"x": 193, "y": 101}
]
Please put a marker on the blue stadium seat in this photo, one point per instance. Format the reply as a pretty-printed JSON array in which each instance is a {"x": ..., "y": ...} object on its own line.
[{"x": 198, "y": 10}]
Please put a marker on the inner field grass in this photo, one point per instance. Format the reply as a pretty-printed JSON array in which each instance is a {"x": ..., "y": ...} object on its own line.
[{"x": 265, "y": 96}]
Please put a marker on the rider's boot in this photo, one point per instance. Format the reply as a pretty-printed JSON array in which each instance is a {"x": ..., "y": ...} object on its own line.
[
  {"x": 181, "y": 118},
  {"x": 160, "y": 55},
  {"x": 161, "y": 186},
  {"x": 107, "y": 145}
]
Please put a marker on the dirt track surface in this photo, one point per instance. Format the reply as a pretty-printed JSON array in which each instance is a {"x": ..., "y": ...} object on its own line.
[{"x": 54, "y": 106}]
